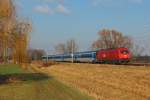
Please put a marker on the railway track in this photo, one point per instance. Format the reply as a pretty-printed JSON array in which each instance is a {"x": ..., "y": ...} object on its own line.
[
  {"x": 128, "y": 64},
  {"x": 137, "y": 64}
]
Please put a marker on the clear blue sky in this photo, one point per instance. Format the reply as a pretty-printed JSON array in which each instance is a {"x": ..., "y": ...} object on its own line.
[{"x": 56, "y": 21}]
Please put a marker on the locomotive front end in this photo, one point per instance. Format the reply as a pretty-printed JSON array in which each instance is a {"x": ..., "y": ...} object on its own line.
[{"x": 124, "y": 55}]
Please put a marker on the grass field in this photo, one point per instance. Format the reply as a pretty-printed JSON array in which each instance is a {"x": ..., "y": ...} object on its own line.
[
  {"x": 105, "y": 82},
  {"x": 32, "y": 85}
]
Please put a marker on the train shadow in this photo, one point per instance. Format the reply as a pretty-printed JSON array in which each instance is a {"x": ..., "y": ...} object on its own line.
[{"x": 22, "y": 77}]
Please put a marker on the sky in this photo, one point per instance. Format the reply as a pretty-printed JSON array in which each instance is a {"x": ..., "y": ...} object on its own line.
[{"x": 56, "y": 21}]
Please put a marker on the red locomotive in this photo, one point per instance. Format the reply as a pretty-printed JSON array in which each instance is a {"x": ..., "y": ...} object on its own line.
[{"x": 117, "y": 55}]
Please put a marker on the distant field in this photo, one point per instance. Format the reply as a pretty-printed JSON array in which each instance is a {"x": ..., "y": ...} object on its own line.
[
  {"x": 17, "y": 84},
  {"x": 105, "y": 82}
]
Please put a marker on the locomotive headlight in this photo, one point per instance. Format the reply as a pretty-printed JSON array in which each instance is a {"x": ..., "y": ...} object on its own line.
[{"x": 125, "y": 56}]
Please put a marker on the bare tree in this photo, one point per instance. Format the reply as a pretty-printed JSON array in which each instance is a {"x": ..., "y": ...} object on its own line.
[
  {"x": 36, "y": 54},
  {"x": 60, "y": 48},
  {"x": 68, "y": 47},
  {"x": 112, "y": 39},
  {"x": 7, "y": 18},
  {"x": 137, "y": 50},
  {"x": 6, "y": 8},
  {"x": 71, "y": 46},
  {"x": 20, "y": 41}
]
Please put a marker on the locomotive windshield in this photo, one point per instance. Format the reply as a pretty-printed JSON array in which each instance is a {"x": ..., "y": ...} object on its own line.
[{"x": 125, "y": 52}]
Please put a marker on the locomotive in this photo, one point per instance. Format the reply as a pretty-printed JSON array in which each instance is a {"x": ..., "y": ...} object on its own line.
[{"x": 115, "y": 55}]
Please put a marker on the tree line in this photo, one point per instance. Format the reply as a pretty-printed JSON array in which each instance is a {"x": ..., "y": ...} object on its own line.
[
  {"x": 14, "y": 32},
  {"x": 108, "y": 38}
]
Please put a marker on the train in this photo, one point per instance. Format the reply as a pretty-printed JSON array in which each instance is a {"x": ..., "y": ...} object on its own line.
[{"x": 113, "y": 55}]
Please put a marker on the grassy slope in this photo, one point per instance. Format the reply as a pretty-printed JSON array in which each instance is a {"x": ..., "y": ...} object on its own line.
[
  {"x": 35, "y": 86},
  {"x": 106, "y": 82},
  {"x": 10, "y": 69}
]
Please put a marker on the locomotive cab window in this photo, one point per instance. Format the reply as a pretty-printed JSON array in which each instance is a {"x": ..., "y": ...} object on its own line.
[{"x": 125, "y": 52}]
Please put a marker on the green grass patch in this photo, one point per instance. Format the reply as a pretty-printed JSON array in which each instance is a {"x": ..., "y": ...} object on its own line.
[
  {"x": 10, "y": 69},
  {"x": 35, "y": 86}
]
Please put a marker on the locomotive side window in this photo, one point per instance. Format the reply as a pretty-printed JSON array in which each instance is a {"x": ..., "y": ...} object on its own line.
[{"x": 125, "y": 52}]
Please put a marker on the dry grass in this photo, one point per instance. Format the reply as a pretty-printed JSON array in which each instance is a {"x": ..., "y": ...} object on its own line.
[{"x": 105, "y": 82}]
